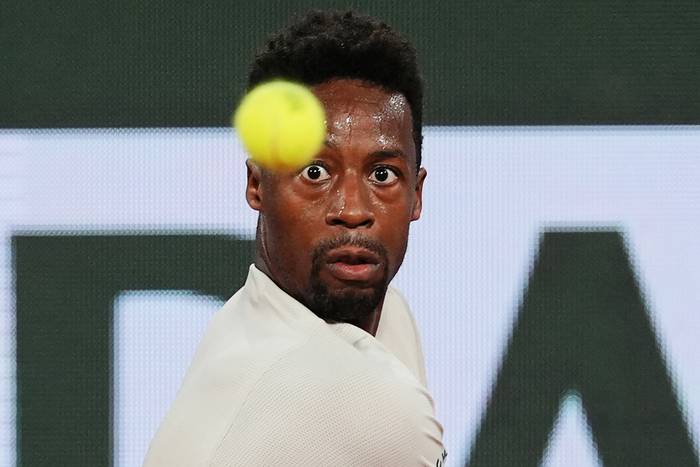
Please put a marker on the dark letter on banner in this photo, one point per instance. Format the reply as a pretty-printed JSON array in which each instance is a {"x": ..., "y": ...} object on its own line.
[{"x": 583, "y": 327}]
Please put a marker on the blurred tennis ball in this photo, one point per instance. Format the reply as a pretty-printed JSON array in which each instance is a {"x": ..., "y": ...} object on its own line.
[{"x": 282, "y": 125}]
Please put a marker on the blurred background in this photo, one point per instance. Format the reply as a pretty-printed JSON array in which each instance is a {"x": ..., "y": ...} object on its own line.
[{"x": 553, "y": 274}]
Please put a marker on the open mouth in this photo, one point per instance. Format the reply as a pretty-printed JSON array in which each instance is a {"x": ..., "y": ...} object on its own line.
[
  {"x": 352, "y": 255},
  {"x": 354, "y": 264}
]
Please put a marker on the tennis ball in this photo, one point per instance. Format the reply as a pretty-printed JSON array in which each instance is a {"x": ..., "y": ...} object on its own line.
[{"x": 282, "y": 125}]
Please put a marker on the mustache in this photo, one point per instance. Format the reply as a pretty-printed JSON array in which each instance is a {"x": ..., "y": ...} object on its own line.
[{"x": 345, "y": 239}]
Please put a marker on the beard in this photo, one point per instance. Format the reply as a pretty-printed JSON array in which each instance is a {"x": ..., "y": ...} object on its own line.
[{"x": 351, "y": 304}]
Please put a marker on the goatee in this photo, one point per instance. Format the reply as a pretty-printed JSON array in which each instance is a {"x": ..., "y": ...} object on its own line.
[{"x": 351, "y": 304}]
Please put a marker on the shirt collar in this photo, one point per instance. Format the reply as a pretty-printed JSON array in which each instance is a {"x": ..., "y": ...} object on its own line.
[{"x": 266, "y": 294}]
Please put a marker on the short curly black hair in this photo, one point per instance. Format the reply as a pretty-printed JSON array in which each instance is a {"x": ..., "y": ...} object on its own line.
[{"x": 322, "y": 45}]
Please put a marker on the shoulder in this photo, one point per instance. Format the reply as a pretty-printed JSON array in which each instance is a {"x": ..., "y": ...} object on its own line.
[
  {"x": 240, "y": 347},
  {"x": 399, "y": 333},
  {"x": 326, "y": 405},
  {"x": 399, "y": 302}
]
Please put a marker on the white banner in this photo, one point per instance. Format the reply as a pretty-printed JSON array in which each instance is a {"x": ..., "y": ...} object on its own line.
[{"x": 489, "y": 195}]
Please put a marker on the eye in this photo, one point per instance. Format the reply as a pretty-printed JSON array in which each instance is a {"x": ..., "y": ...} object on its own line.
[
  {"x": 383, "y": 176},
  {"x": 315, "y": 173}
]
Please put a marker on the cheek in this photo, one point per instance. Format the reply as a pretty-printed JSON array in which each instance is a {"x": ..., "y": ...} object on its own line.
[
  {"x": 395, "y": 242},
  {"x": 393, "y": 220},
  {"x": 396, "y": 203},
  {"x": 285, "y": 224},
  {"x": 292, "y": 227}
]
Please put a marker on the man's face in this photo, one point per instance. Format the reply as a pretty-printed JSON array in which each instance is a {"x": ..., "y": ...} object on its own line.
[{"x": 334, "y": 233}]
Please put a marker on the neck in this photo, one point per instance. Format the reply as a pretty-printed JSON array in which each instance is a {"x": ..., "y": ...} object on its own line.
[
  {"x": 262, "y": 265},
  {"x": 370, "y": 323}
]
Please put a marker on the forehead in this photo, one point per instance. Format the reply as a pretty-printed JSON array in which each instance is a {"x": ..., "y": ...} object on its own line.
[
  {"x": 362, "y": 94},
  {"x": 366, "y": 113}
]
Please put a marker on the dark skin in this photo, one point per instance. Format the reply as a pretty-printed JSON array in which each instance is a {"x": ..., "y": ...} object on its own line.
[{"x": 363, "y": 185}]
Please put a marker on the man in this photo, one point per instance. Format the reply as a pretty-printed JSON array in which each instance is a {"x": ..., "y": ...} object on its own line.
[{"x": 316, "y": 360}]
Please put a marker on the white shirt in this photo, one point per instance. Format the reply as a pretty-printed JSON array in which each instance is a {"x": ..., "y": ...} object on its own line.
[{"x": 273, "y": 384}]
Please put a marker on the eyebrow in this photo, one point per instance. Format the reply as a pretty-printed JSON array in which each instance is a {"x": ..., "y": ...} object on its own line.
[
  {"x": 381, "y": 154},
  {"x": 388, "y": 154}
]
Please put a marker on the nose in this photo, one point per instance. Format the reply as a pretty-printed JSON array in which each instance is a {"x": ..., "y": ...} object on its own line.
[{"x": 350, "y": 204}]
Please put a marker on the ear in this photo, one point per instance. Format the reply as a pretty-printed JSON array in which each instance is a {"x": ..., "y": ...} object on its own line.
[
  {"x": 418, "y": 201},
  {"x": 253, "y": 191}
]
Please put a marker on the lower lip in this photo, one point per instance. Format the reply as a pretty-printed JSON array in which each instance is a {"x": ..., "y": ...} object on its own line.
[{"x": 353, "y": 272}]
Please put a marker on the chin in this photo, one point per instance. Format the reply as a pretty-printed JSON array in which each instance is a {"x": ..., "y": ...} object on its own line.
[{"x": 344, "y": 304}]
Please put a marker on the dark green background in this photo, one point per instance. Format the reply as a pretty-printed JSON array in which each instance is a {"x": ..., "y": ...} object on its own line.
[
  {"x": 177, "y": 63},
  {"x": 65, "y": 289}
]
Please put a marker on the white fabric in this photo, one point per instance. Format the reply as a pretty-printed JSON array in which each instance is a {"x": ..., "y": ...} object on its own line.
[{"x": 273, "y": 384}]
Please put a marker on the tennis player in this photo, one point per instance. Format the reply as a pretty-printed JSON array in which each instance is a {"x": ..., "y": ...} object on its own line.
[{"x": 316, "y": 360}]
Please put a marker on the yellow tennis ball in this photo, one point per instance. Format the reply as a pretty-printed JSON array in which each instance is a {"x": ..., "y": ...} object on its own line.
[{"x": 282, "y": 125}]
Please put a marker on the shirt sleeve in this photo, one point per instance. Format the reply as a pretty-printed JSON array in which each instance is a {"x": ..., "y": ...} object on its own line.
[
  {"x": 398, "y": 332},
  {"x": 332, "y": 413}
]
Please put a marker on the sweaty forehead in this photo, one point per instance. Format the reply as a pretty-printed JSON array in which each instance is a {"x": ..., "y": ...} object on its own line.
[{"x": 354, "y": 106}]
